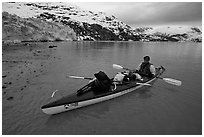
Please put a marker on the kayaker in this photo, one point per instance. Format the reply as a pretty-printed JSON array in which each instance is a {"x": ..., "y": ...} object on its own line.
[{"x": 146, "y": 69}]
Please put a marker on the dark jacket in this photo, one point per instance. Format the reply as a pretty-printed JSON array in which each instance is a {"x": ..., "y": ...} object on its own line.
[{"x": 145, "y": 69}]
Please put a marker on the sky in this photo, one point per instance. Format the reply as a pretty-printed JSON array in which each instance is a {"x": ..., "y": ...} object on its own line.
[{"x": 138, "y": 14}]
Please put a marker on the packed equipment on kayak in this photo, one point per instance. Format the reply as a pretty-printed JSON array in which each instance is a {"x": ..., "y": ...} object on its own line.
[{"x": 102, "y": 82}]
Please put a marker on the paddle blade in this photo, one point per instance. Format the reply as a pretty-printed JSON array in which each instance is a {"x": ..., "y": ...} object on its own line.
[
  {"x": 76, "y": 77},
  {"x": 117, "y": 66},
  {"x": 172, "y": 81}
]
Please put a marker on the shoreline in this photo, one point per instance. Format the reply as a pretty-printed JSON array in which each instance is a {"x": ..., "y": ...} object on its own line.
[{"x": 21, "y": 63}]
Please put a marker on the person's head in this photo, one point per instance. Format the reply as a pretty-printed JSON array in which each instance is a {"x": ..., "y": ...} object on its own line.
[{"x": 146, "y": 58}]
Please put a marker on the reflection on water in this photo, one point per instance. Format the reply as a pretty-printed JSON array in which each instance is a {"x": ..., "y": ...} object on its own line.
[{"x": 159, "y": 109}]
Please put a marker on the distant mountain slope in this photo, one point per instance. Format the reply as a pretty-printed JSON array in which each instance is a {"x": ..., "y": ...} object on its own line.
[
  {"x": 88, "y": 25},
  {"x": 174, "y": 33}
]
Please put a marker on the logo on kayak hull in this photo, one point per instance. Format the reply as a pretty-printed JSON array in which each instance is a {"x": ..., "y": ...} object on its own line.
[{"x": 72, "y": 105}]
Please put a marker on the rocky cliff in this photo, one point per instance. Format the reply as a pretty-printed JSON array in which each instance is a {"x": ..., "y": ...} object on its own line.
[{"x": 16, "y": 29}]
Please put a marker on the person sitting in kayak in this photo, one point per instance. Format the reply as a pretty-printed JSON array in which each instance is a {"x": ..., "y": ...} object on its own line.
[{"x": 146, "y": 69}]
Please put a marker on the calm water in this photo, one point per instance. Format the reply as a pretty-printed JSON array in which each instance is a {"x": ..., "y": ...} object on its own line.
[{"x": 160, "y": 109}]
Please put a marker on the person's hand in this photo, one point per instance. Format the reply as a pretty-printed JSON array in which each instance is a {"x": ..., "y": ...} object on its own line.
[{"x": 136, "y": 71}]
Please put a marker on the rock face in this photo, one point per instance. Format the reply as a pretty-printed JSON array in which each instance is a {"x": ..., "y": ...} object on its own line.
[
  {"x": 63, "y": 21},
  {"x": 16, "y": 29}
]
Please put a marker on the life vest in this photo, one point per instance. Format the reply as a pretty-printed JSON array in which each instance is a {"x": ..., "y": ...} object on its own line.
[{"x": 145, "y": 69}]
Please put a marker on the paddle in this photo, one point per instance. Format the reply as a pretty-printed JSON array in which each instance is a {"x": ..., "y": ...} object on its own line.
[
  {"x": 171, "y": 81},
  {"x": 168, "y": 80},
  {"x": 78, "y": 77},
  {"x": 119, "y": 67}
]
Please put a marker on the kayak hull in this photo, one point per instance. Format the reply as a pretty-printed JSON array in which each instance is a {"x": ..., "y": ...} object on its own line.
[{"x": 66, "y": 105}]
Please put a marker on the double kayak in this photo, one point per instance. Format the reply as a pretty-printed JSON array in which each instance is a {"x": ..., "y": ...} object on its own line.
[{"x": 88, "y": 95}]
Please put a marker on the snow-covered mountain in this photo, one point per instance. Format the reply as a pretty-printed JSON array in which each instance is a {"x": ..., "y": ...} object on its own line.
[
  {"x": 88, "y": 25},
  {"x": 172, "y": 33}
]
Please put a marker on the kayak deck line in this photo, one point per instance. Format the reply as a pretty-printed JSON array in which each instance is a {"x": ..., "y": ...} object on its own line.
[{"x": 75, "y": 100}]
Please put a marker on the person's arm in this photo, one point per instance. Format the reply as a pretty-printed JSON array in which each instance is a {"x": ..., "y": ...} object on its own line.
[{"x": 152, "y": 69}]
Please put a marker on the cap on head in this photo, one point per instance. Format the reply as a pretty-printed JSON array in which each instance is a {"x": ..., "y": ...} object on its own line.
[{"x": 146, "y": 58}]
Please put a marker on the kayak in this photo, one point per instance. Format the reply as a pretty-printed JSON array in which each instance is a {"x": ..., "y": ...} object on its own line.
[{"x": 87, "y": 95}]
